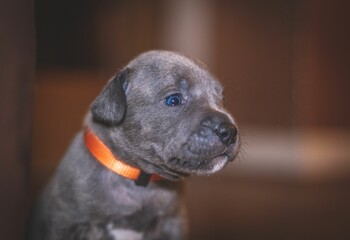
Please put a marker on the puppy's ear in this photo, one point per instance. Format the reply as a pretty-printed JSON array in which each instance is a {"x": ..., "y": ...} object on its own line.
[{"x": 110, "y": 106}]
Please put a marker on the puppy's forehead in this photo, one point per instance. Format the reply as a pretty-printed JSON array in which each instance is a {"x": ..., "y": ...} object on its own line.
[{"x": 166, "y": 69}]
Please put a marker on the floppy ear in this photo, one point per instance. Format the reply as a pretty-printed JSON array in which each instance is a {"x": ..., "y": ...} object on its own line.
[{"x": 110, "y": 106}]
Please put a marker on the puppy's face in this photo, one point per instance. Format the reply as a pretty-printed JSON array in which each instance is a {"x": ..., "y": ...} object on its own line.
[{"x": 173, "y": 121}]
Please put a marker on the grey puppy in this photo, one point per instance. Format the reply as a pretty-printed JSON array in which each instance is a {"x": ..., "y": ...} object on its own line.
[{"x": 162, "y": 114}]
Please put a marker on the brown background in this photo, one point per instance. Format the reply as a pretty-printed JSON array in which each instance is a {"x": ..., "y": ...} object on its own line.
[{"x": 285, "y": 68}]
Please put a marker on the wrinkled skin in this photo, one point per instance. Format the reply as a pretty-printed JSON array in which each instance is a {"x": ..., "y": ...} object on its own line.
[{"x": 197, "y": 136}]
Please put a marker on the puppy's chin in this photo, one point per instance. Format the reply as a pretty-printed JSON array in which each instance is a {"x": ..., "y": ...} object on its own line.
[
  {"x": 174, "y": 170},
  {"x": 177, "y": 168},
  {"x": 214, "y": 165},
  {"x": 189, "y": 164}
]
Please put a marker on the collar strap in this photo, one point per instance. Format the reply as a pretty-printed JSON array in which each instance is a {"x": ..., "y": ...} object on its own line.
[{"x": 104, "y": 155}]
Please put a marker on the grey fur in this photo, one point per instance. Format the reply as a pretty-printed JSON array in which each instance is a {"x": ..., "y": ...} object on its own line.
[{"x": 84, "y": 200}]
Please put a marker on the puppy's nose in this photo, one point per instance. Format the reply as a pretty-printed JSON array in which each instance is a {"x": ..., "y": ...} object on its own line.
[
  {"x": 227, "y": 132},
  {"x": 222, "y": 127}
]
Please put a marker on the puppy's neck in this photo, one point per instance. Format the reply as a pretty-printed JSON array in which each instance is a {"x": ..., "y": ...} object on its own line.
[{"x": 104, "y": 155}]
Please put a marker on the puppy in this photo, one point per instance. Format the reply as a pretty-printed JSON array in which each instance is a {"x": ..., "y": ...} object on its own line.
[{"x": 159, "y": 120}]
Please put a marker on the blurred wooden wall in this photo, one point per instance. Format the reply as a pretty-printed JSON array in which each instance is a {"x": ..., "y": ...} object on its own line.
[
  {"x": 17, "y": 58},
  {"x": 321, "y": 64},
  {"x": 254, "y": 58},
  {"x": 283, "y": 63}
]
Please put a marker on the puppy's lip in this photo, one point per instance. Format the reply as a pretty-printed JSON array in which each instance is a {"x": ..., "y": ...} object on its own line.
[
  {"x": 231, "y": 155},
  {"x": 232, "y": 151},
  {"x": 184, "y": 166}
]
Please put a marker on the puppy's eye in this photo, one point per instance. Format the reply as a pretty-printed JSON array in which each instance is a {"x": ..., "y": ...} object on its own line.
[{"x": 173, "y": 100}]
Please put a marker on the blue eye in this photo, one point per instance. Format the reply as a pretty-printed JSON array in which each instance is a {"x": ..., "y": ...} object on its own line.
[{"x": 173, "y": 100}]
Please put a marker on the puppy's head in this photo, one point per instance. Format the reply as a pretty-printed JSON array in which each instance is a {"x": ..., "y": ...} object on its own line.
[{"x": 164, "y": 114}]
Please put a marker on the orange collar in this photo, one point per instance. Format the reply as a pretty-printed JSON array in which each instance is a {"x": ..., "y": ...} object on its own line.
[{"x": 104, "y": 155}]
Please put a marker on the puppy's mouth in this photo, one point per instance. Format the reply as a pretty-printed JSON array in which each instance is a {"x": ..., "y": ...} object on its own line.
[
  {"x": 201, "y": 154},
  {"x": 202, "y": 163}
]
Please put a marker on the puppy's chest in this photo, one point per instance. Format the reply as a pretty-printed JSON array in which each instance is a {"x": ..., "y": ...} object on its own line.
[{"x": 143, "y": 222}]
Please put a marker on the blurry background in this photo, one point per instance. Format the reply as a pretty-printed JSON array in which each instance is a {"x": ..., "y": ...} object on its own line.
[{"x": 285, "y": 69}]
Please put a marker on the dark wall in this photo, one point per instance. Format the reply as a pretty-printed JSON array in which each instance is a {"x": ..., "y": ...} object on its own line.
[
  {"x": 66, "y": 33},
  {"x": 254, "y": 58},
  {"x": 283, "y": 63},
  {"x": 17, "y": 50},
  {"x": 321, "y": 64}
]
